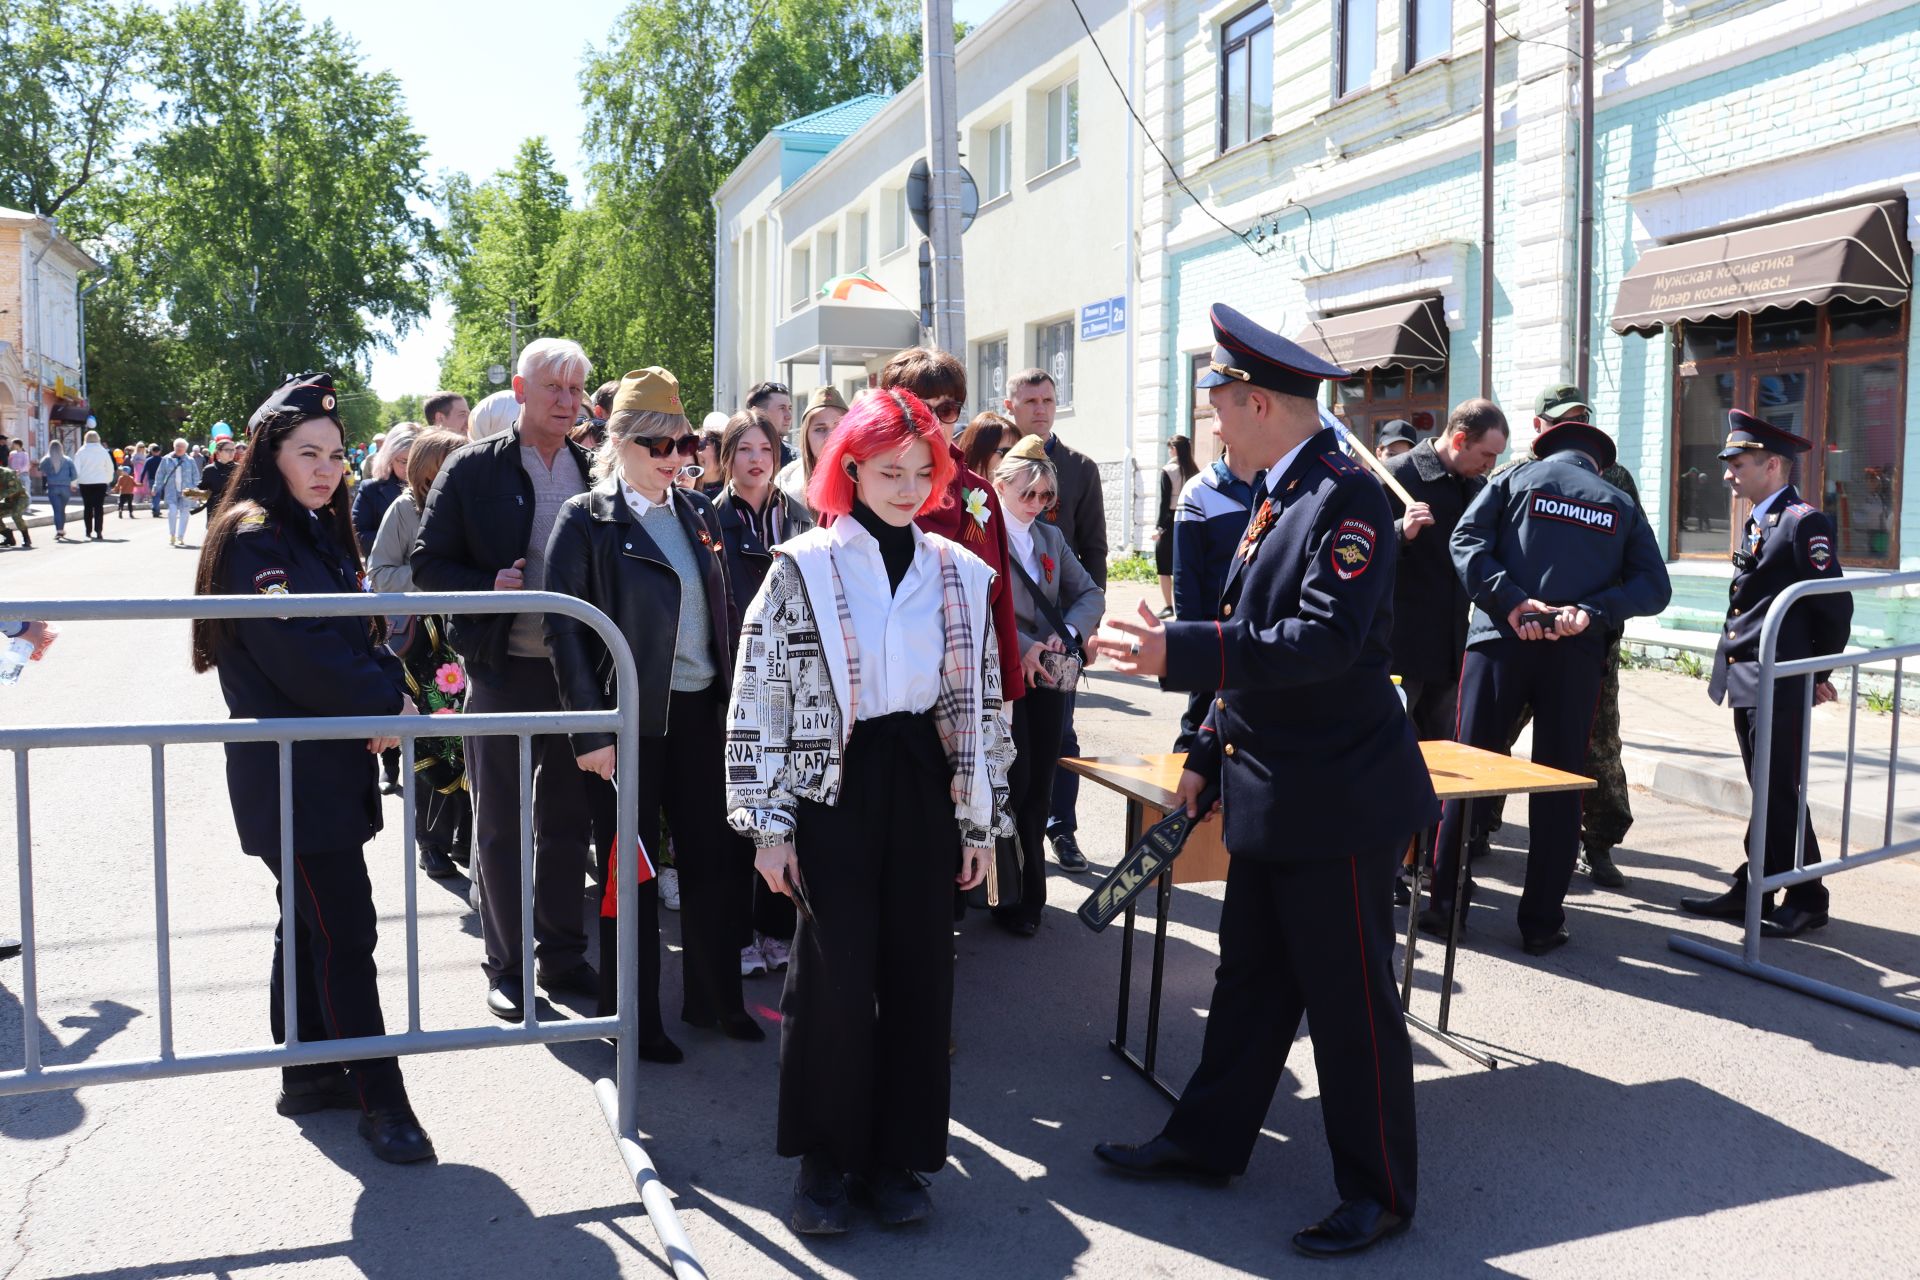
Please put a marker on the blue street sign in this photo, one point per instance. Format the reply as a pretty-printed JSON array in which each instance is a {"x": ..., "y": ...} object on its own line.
[{"x": 1103, "y": 318}]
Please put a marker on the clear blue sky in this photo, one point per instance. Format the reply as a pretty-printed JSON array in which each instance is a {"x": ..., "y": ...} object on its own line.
[{"x": 479, "y": 76}]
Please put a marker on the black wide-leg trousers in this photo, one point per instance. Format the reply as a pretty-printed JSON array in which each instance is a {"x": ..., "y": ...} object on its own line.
[
  {"x": 868, "y": 1005},
  {"x": 1039, "y": 719},
  {"x": 334, "y": 932}
]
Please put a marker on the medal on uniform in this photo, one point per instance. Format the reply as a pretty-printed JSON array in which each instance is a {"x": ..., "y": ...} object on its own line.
[{"x": 1256, "y": 529}]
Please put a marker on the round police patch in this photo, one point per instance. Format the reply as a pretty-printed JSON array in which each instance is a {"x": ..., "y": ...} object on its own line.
[{"x": 1353, "y": 544}]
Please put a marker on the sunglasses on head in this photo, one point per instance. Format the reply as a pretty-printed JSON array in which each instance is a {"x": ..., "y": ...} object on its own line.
[{"x": 687, "y": 446}]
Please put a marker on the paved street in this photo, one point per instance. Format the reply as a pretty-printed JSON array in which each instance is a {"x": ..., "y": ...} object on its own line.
[{"x": 1652, "y": 1116}]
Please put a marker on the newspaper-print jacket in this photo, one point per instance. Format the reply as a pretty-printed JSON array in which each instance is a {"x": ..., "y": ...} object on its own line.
[{"x": 796, "y": 673}]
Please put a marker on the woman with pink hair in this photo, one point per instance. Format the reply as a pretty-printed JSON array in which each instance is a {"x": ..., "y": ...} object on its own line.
[{"x": 867, "y": 760}]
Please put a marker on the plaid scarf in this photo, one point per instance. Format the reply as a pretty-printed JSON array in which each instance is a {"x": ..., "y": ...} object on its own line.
[
  {"x": 853, "y": 648},
  {"x": 954, "y": 711}
]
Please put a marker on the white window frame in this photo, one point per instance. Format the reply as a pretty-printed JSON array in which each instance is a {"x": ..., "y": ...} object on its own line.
[
  {"x": 800, "y": 283},
  {"x": 999, "y": 167},
  {"x": 1062, "y": 381},
  {"x": 896, "y": 221},
  {"x": 827, "y": 256},
  {"x": 1063, "y": 123},
  {"x": 857, "y": 225}
]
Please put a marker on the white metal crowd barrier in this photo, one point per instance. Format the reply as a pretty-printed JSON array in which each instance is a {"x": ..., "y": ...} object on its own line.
[
  {"x": 1759, "y": 884},
  {"x": 619, "y": 1098}
]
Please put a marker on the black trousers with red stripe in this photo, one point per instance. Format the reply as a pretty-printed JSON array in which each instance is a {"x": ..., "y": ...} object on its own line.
[
  {"x": 334, "y": 932},
  {"x": 1315, "y": 939},
  {"x": 1560, "y": 679}
]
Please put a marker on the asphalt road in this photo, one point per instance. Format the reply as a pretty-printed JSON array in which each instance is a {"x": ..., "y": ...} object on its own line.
[{"x": 1653, "y": 1116}]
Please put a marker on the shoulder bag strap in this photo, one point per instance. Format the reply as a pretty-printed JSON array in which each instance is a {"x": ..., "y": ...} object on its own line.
[{"x": 1048, "y": 609}]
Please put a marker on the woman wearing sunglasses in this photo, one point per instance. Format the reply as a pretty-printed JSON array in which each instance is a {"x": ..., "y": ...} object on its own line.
[
  {"x": 649, "y": 555},
  {"x": 1056, "y": 607}
]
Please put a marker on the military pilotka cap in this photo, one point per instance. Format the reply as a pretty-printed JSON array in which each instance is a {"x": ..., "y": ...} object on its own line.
[
  {"x": 649, "y": 390},
  {"x": 1399, "y": 431},
  {"x": 310, "y": 395},
  {"x": 1028, "y": 449},
  {"x": 823, "y": 398},
  {"x": 1556, "y": 403},
  {"x": 1748, "y": 434},
  {"x": 1572, "y": 433},
  {"x": 1248, "y": 354}
]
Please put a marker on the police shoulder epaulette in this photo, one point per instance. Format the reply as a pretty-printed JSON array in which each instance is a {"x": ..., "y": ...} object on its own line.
[
  {"x": 1799, "y": 509},
  {"x": 1340, "y": 464}
]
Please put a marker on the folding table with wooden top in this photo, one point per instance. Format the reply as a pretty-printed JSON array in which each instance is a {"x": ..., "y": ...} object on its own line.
[{"x": 1147, "y": 783}]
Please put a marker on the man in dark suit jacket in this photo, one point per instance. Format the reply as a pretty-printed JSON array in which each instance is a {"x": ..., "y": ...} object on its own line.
[
  {"x": 1080, "y": 514},
  {"x": 1784, "y": 541},
  {"x": 1430, "y": 605},
  {"x": 1321, "y": 784}
]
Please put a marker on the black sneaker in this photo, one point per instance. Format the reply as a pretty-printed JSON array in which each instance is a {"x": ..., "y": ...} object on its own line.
[
  {"x": 1066, "y": 851},
  {"x": 819, "y": 1199},
  {"x": 436, "y": 863},
  {"x": 896, "y": 1196}
]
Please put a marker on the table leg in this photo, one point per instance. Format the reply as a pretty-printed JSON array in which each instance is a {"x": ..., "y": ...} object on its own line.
[
  {"x": 1413, "y": 920},
  {"x": 1159, "y": 966},
  {"x": 1119, "y": 1041},
  {"x": 1440, "y": 1032},
  {"x": 1136, "y": 824},
  {"x": 1457, "y": 920}
]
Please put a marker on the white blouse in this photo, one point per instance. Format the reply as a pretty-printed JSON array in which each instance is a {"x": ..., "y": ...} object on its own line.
[{"x": 899, "y": 634}]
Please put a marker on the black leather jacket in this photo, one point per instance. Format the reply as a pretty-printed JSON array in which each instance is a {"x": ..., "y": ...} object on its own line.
[
  {"x": 600, "y": 554},
  {"x": 477, "y": 521}
]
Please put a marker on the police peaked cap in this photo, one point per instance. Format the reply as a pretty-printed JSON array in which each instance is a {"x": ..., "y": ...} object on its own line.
[
  {"x": 310, "y": 395},
  {"x": 1574, "y": 434},
  {"x": 1248, "y": 354},
  {"x": 1746, "y": 434}
]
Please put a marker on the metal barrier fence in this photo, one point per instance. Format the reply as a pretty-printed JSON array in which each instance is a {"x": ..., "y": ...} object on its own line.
[
  {"x": 1759, "y": 884},
  {"x": 619, "y": 1098}
]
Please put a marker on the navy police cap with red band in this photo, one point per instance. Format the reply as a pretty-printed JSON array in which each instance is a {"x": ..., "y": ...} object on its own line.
[
  {"x": 1571, "y": 433},
  {"x": 1748, "y": 434},
  {"x": 1252, "y": 356},
  {"x": 310, "y": 395}
]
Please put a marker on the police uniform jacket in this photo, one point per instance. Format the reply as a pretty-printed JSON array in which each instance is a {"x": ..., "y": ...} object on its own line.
[
  {"x": 1430, "y": 605},
  {"x": 478, "y": 521},
  {"x": 1554, "y": 531},
  {"x": 598, "y": 552},
  {"x": 302, "y": 667},
  {"x": 1792, "y": 543},
  {"x": 1306, "y": 735}
]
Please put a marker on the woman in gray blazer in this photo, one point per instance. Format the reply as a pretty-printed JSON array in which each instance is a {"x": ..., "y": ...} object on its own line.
[{"x": 1041, "y": 566}]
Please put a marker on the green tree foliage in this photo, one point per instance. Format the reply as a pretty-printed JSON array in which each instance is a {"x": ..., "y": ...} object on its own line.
[
  {"x": 676, "y": 98},
  {"x": 271, "y": 211},
  {"x": 133, "y": 364},
  {"x": 69, "y": 71},
  {"x": 497, "y": 250}
]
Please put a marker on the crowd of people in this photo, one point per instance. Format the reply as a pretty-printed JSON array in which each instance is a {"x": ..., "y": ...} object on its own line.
[{"x": 857, "y": 655}]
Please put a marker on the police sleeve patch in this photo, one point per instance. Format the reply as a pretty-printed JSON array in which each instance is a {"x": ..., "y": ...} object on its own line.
[
  {"x": 271, "y": 582},
  {"x": 1820, "y": 551},
  {"x": 1353, "y": 544}
]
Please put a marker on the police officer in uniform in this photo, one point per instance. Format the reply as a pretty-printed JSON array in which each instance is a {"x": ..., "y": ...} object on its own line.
[
  {"x": 286, "y": 529},
  {"x": 1553, "y": 558},
  {"x": 1783, "y": 541},
  {"x": 1322, "y": 785}
]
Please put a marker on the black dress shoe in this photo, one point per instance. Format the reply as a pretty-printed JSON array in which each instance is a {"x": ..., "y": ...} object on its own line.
[
  {"x": 1066, "y": 851},
  {"x": 1354, "y": 1226},
  {"x": 1479, "y": 847},
  {"x": 333, "y": 1092},
  {"x": 1018, "y": 926},
  {"x": 1598, "y": 864},
  {"x": 1540, "y": 946},
  {"x": 1791, "y": 921},
  {"x": 436, "y": 863},
  {"x": 1731, "y": 905},
  {"x": 896, "y": 1196},
  {"x": 391, "y": 787},
  {"x": 395, "y": 1135},
  {"x": 578, "y": 978},
  {"x": 819, "y": 1199},
  {"x": 506, "y": 999},
  {"x": 660, "y": 1049},
  {"x": 1158, "y": 1157}
]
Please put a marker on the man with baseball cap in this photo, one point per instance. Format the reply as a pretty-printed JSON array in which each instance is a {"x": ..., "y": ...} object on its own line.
[
  {"x": 1783, "y": 541},
  {"x": 1554, "y": 559}
]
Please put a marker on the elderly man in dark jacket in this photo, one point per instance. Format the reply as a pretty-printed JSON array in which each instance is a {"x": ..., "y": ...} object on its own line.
[
  {"x": 1430, "y": 605},
  {"x": 485, "y": 528}
]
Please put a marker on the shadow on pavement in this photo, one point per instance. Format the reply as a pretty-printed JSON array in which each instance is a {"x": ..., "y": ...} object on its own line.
[{"x": 36, "y": 1116}]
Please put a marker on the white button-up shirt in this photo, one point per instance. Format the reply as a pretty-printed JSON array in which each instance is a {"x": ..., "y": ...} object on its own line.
[{"x": 899, "y": 632}]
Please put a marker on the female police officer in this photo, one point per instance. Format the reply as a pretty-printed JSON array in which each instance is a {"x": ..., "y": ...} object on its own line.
[{"x": 284, "y": 529}]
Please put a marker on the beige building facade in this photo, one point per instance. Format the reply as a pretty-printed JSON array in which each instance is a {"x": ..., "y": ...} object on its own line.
[{"x": 41, "y": 345}]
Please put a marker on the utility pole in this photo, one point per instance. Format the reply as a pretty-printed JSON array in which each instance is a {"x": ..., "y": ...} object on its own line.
[
  {"x": 943, "y": 185},
  {"x": 1486, "y": 205},
  {"x": 1583, "y": 268}
]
